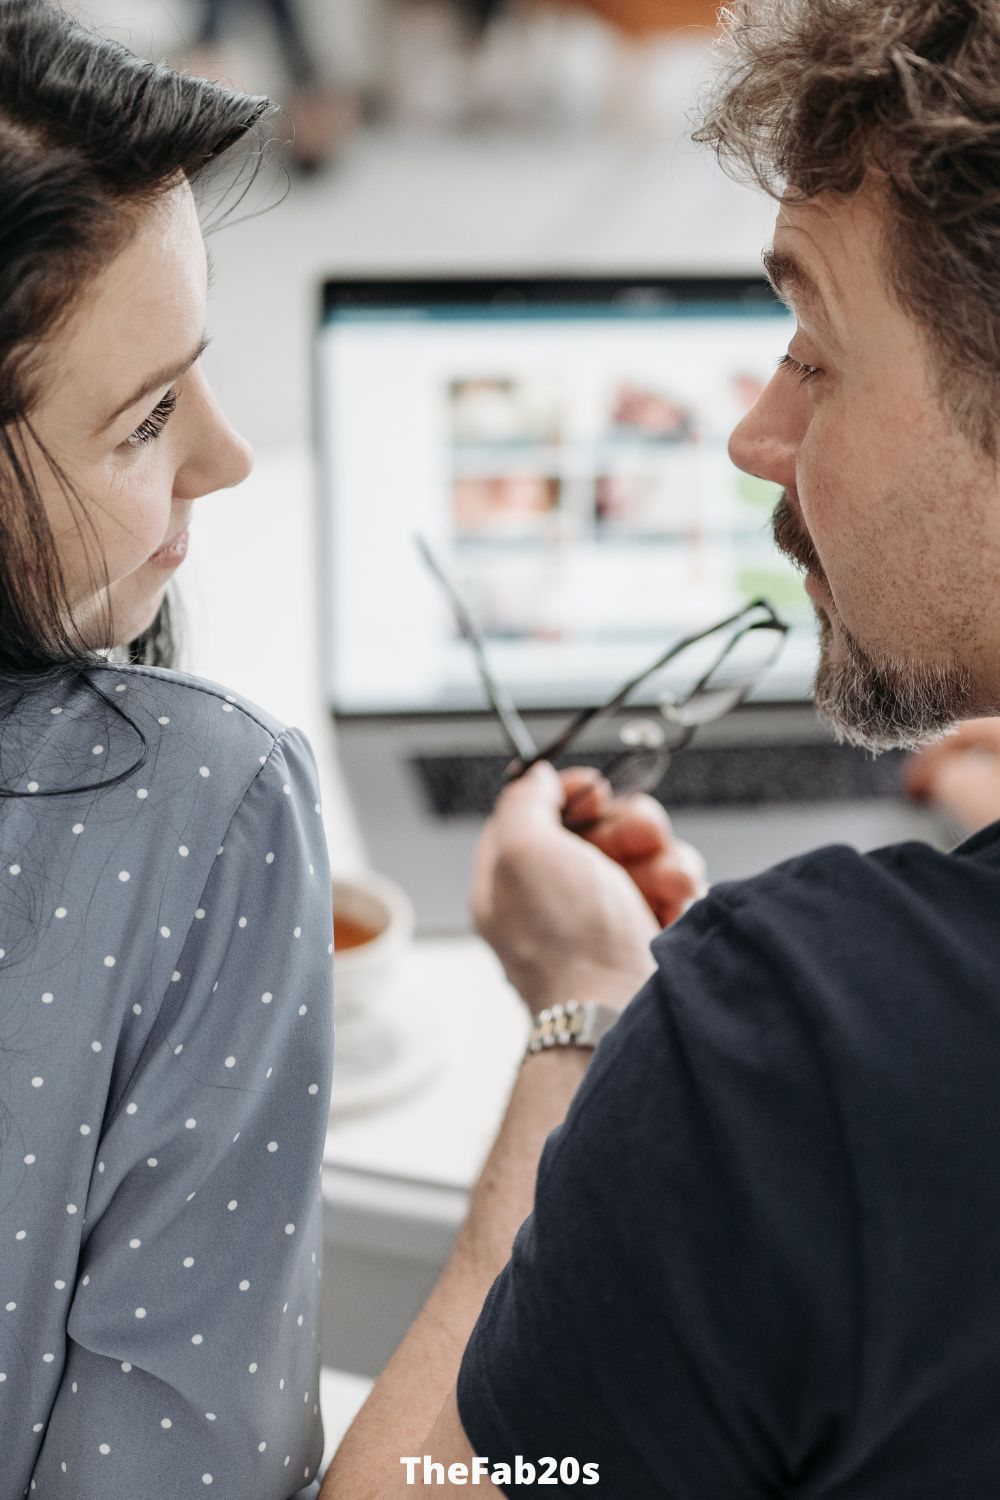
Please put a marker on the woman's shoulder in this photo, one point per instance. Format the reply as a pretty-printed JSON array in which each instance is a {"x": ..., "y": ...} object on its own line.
[
  {"x": 128, "y": 785},
  {"x": 196, "y": 700},
  {"x": 183, "y": 721},
  {"x": 110, "y": 736}
]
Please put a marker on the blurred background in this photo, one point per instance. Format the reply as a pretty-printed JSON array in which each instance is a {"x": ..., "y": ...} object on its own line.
[{"x": 444, "y": 134}]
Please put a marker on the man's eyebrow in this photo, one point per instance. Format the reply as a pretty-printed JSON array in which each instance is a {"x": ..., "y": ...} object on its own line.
[
  {"x": 161, "y": 378},
  {"x": 793, "y": 282}
]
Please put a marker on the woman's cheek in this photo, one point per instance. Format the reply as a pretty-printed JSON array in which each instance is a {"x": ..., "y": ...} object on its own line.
[{"x": 136, "y": 523}]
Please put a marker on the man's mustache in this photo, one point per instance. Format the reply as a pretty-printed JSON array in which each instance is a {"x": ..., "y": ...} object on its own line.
[{"x": 791, "y": 539}]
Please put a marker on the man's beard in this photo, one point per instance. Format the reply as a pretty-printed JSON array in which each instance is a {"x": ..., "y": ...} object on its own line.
[{"x": 870, "y": 699}]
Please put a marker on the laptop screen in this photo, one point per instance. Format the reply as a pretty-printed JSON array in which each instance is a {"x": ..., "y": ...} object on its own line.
[{"x": 562, "y": 447}]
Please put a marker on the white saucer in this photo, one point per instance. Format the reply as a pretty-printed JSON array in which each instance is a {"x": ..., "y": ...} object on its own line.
[{"x": 394, "y": 1056}]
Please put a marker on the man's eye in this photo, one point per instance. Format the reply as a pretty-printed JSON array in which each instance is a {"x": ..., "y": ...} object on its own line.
[
  {"x": 150, "y": 427},
  {"x": 805, "y": 373}
]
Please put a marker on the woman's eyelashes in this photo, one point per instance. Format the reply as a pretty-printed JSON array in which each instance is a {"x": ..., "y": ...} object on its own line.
[
  {"x": 150, "y": 427},
  {"x": 805, "y": 373}
]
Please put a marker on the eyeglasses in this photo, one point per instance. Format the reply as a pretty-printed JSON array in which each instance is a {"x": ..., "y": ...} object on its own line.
[{"x": 725, "y": 660}]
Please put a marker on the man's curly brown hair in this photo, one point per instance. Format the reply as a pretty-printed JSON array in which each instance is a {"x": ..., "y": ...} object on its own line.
[{"x": 826, "y": 96}]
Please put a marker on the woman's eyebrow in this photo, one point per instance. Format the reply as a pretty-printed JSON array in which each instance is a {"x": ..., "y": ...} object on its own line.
[{"x": 161, "y": 378}]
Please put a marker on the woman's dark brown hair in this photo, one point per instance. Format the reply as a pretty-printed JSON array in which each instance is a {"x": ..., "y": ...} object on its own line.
[
  {"x": 828, "y": 96},
  {"x": 90, "y": 136}
]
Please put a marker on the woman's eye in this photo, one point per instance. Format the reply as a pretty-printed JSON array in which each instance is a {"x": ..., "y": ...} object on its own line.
[
  {"x": 805, "y": 373},
  {"x": 150, "y": 427}
]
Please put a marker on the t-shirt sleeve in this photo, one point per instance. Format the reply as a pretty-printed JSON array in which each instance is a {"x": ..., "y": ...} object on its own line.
[
  {"x": 192, "y": 1355},
  {"x": 680, "y": 1307}
]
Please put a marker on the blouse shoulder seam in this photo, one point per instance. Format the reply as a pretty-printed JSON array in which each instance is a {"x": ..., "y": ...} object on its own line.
[{"x": 208, "y": 689}]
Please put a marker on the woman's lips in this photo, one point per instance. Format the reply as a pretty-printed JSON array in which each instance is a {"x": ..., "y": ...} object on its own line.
[{"x": 172, "y": 553}]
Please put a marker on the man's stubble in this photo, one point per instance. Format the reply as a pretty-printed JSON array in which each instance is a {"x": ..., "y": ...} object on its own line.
[{"x": 875, "y": 700}]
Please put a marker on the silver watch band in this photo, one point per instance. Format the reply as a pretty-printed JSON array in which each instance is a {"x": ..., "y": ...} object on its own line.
[{"x": 570, "y": 1025}]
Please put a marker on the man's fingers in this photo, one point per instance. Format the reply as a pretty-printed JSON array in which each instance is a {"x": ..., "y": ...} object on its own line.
[
  {"x": 632, "y": 828},
  {"x": 635, "y": 832},
  {"x": 588, "y": 796},
  {"x": 528, "y": 810},
  {"x": 670, "y": 880},
  {"x": 925, "y": 768},
  {"x": 668, "y": 888},
  {"x": 535, "y": 800}
]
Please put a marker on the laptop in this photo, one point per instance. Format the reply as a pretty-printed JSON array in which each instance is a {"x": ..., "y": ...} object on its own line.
[{"x": 561, "y": 443}]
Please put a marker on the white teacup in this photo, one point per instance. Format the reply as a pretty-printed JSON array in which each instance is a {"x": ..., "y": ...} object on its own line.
[{"x": 366, "y": 991}]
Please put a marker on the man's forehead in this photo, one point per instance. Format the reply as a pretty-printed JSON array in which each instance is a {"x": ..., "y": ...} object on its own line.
[
  {"x": 791, "y": 277},
  {"x": 832, "y": 237},
  {"x": 811, "y": 262},
  {"x": 795, "y": 283}
]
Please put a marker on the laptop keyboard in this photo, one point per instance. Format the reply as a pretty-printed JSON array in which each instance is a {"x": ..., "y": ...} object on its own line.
[{"x": 706, "y": 776}]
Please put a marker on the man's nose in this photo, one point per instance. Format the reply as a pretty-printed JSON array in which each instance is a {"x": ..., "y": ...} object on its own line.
[{"x": 766, "y": 442}]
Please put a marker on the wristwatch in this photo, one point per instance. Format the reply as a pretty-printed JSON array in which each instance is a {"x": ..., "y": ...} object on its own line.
[{"x": 570, "y": 1025}]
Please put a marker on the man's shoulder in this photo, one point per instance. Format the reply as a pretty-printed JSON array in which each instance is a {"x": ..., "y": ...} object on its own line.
[
  {"x": 835, "y": 890},
  {"x": 837, "y": 948}
]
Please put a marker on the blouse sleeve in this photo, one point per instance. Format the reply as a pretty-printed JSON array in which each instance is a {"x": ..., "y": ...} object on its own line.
[{"x": 192, "y": 1357}]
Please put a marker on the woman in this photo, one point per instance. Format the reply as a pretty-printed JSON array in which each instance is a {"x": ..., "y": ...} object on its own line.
[{"x": 165, "y": 924}]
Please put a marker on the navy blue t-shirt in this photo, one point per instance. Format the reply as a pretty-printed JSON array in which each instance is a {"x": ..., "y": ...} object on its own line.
[{"x": 764, "y": 1258}]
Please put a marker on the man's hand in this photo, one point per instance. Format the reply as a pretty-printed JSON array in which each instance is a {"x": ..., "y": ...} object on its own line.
[
  {"x": 571, "y": 916},
  {"x": 961, "y": 774}
]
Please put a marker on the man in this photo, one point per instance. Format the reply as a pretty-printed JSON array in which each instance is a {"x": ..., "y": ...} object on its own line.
[{"x": 764, "y": 1252}]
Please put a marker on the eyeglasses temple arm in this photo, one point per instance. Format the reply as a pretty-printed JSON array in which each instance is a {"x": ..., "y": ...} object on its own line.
[{"x": 502, "y": 704}]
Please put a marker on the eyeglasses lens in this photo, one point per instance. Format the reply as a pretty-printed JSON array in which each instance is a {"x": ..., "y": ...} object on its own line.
[
  {"x": 633, "y": 747},
  {"x": 729, "y": 679}
]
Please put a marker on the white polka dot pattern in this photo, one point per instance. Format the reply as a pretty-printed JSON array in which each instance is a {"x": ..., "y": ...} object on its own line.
[{"x": 173, "y": 1125}]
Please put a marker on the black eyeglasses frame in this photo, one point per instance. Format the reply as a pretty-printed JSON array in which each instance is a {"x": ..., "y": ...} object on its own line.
[{"x": 527, "y": 754}]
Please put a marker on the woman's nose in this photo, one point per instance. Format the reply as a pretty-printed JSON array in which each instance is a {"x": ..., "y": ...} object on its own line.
[{"x": 217, "y": 457}]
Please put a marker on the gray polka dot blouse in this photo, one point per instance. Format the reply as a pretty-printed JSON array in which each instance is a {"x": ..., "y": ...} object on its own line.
[{"x": 166, "y": 943}]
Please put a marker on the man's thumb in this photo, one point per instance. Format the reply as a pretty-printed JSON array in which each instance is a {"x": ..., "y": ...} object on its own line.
[{"x": 537, "y": 796}]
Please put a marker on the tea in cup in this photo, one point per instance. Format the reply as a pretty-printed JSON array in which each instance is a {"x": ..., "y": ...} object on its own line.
[
  {"x": 373, "y": 926},
  {"x": 347, "y": 933}
]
